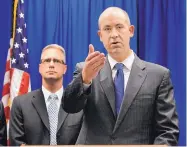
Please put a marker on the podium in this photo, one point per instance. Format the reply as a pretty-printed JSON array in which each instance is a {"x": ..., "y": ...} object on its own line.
[{"x": 98, "y": 145}]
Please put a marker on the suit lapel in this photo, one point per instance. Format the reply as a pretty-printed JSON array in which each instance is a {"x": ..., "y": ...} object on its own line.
[
  {"x": 136, "y": 79},
  {"x": 40, "y": 106},
  {"x": 107, "y": 85},
  {"x": 61, "y": 117}
]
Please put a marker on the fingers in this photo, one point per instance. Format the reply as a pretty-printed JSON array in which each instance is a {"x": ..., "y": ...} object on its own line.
[
  {"x": 94, "y": 66},
  {"x": 92, "y": 55},
  {"x": 91, "y": 49},
  {"x": 98, "y": 65},
  {"x": 93, "y": 63},
  {"x": 95, "y": 59},
  {"x": 90, "y": 71}
]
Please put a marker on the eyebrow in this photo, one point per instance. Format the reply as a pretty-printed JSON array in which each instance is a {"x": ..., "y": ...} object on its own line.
[
  {"x": 52, "y": 59},
  {"x": 106, "y": 26},
  {"x": 119, "y": 24}
]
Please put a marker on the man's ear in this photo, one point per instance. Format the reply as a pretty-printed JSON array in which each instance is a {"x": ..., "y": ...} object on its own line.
[
  {"x": 100, "y": 35},
  {"x": 65, "y": 69},
  {"x": 39, "y": 66},
  {"x": 131, "y": 30}
]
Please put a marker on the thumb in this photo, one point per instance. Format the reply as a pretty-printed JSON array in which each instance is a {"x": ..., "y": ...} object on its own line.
[{"x": 91, "y": 49}]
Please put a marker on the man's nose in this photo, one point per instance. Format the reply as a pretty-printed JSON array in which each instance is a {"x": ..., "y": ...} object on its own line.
[
  {"x": 51, "y": 64},
  {"x": 114, "y": 33}
]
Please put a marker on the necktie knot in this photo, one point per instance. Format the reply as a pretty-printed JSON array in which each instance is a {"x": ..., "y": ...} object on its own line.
[
  {"x": 119, "y": 66},
  {"x": 53, "y": 97}
]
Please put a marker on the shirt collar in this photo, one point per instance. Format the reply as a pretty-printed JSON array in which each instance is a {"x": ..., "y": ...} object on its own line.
[
  {"x": 127, "y": 62},
  {"x": 47, "y": 93}
]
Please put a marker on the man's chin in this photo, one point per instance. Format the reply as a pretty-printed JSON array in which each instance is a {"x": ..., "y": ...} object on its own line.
[
  {"x": 51, "y": 79},
  {"x": 116, "y": 50}
]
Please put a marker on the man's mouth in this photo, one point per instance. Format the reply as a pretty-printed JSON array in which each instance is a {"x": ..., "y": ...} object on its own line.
[
  {"x": 51, "y": 72},
  {"x": 116, "y": 42}
]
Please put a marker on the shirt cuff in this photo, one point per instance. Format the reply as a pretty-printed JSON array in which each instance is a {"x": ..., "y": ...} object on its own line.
[{"x": 86, "y": 86}]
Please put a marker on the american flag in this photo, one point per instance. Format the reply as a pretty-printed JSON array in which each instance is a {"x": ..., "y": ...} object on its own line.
[{"x": 17, "y": 78}]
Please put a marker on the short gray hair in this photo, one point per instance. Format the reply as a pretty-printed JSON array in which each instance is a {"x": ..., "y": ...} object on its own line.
[{"x": 56, "y": 46}]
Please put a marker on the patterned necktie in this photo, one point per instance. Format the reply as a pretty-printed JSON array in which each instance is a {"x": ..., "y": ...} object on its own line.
[
  {"x": 53, "y": 118},
  {"x": 119, "y": 86}
]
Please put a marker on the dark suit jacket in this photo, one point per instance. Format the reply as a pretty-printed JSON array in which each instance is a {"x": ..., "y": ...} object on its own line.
[
  {"x": 3, "y": 130},
  {"x": 29, "y": 122},
  {"x": 147, "y": 115}
]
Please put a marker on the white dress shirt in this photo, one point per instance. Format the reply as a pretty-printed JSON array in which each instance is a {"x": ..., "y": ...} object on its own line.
[
  {"x": 127, "y": 67},
  {"x": 47, "y": 93}
]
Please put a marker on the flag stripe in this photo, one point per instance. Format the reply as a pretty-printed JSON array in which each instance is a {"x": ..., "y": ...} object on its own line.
[
  {"x": 15, "y": 82},
  {"x": 8, "y": 65},
  {"x": 6, "y": 89},
  {"x": 7, "y": 78},
  {"x": 24, "y": 85},
  {"x": 5, "y": 99},
  {"x": 7, "y": 112}
]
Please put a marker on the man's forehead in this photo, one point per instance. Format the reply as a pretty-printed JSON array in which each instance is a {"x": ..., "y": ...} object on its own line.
[
  {"x": 52, "y": 52},
  {"x": 112, "y": 20},
  {"x": 112, "y": 16}
]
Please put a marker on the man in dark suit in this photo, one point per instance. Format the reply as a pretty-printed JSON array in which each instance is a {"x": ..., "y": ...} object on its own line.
[
  {"x": 3, "y": 130},
  {"x": 125, "y": 99},
  {"x": 37, "y": 118}
]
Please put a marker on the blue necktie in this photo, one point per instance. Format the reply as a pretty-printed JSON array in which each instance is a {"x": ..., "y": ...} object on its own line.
[{"x": 119, "y": 86}]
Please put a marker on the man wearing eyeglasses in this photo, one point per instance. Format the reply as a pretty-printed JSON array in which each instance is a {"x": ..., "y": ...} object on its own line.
[{"x": 37, "y": 118}]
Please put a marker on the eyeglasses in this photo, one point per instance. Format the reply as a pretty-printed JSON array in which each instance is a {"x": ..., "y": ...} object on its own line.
[{"x": 55, "y": 61}]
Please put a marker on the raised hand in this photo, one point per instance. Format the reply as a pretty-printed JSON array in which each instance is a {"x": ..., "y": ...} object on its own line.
[{"x": 93, "y": 64}]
